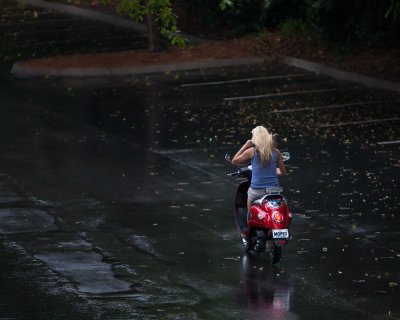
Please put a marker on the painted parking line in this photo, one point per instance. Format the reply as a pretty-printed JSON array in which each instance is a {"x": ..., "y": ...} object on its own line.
[
  {"x": 171, "y": 154},
  {"x": 174, "y": 155},
  {"x": 342, "y": 124},
  {"x": 268, "y": 95},
  {"x": 333, "y": 106},
  {"x": 174, "y": 151},
  {"x": 389, "y": 142},
  {"x": 286, "y": 76}
]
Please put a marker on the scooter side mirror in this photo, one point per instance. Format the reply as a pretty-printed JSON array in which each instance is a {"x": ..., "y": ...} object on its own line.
[{"x": 285, "y": 155}]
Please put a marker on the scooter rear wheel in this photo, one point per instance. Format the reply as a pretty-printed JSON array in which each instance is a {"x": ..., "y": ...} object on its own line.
[
  {"x": 277, "y": 254},
  {"x": 247, "y": 244}
]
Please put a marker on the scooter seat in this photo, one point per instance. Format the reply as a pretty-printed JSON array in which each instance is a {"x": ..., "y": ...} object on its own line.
[{"x": 269, "y": 196}]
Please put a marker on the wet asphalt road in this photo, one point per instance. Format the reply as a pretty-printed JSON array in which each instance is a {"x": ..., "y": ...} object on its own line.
[{"x": 115, "y": 204}]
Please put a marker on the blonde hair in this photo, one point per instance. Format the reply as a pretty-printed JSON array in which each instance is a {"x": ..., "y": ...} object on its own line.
[{"x": 264, "y": 144}]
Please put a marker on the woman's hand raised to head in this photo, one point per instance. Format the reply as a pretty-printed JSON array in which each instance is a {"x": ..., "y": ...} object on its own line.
[
  {"x": 244, "y": 154},
  {"x": 247, "y": 145}
]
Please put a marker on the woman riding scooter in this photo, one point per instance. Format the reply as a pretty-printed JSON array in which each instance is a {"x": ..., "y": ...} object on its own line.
[{"x": 266, "y": 161}]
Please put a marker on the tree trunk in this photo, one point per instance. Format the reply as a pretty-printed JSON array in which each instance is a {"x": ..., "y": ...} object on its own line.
[{"x": 154, "y": 35}]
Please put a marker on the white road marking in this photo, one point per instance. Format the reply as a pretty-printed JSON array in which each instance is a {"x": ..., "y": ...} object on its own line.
[
  {"x": 333, "y": 106},
  {"x": 341, "y": 124},
  {"x": 389, "y": 142},
  {"x": 174, "y": 156},
  {"x": 198, "y": 84},
  {"x": 281, "y": 94}
]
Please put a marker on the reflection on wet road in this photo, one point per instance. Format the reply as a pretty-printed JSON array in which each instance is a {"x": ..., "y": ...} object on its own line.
[
  {"x": 115, "y": 204},
  {"x": 264, "y": 289}
]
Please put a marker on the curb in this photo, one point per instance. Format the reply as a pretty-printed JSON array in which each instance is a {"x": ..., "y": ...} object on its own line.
[
  {"x": 342, "y": 75},
  {"x": 98, "y": 16},
  {"x": 21, "y": 71}
]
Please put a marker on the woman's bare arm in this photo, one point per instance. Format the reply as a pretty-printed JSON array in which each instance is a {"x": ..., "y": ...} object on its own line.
[
  {"x": 244, "y": 155},
  {"x": 281, "y": 169}
]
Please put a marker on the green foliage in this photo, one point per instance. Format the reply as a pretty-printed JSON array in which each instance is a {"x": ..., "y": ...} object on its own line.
[
  {"x": 206, "y": 13},
  {"x": 355, "y": 22},
  {"x": 394, "y": 10},
  {"x": 349, "y": 23},
  {"x": 233, "y": 17},
  {"x": 345, "y": 22},
  {"x": 224, "y": 4},
  {"x": 243, "y": 14},
  {"x": 293, "y": 28},
  {"x": 160, "y": 9},
  {"x": 263, "y": 34},
  {"x": 133, "y": 8},
  {"x": 275, "y": 12}
]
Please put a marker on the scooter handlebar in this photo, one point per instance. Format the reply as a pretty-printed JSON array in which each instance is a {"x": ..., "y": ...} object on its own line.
[{"x": 241, "y": 172}]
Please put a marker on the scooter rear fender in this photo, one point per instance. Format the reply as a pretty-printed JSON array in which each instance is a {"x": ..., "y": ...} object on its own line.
[{"x": 261, "y": 217}]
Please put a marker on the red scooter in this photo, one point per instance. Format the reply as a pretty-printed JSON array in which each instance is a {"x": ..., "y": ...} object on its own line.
[{"x": 266, "y": 227}]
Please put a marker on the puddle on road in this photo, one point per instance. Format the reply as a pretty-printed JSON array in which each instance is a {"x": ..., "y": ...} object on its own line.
[
  {"x": 65, "y": 253},
  {"x": 86, "y": 269}
]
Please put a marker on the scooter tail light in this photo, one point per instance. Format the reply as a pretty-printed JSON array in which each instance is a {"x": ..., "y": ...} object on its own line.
[
  {"x": 280, "y": 242},
  {"x": 277, "y": 216}
]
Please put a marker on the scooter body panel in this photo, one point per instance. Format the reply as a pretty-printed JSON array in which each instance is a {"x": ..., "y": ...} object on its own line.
[
  {"x": 240, "y": 208},
  {"x": 272, "y": 214}
]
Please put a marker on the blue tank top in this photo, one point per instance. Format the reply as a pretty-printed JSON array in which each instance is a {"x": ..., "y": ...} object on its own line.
[{"x": 264, "y": 177}]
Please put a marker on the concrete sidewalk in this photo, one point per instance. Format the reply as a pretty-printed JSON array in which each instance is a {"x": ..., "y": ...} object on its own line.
[{"x": 342, "y": 75}]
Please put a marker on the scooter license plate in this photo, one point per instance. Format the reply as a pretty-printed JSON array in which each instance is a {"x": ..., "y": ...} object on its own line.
[{"x": 280, "y": 233}]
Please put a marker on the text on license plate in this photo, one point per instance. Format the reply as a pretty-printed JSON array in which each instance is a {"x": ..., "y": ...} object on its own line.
[{"x": 280, "y": 233}]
